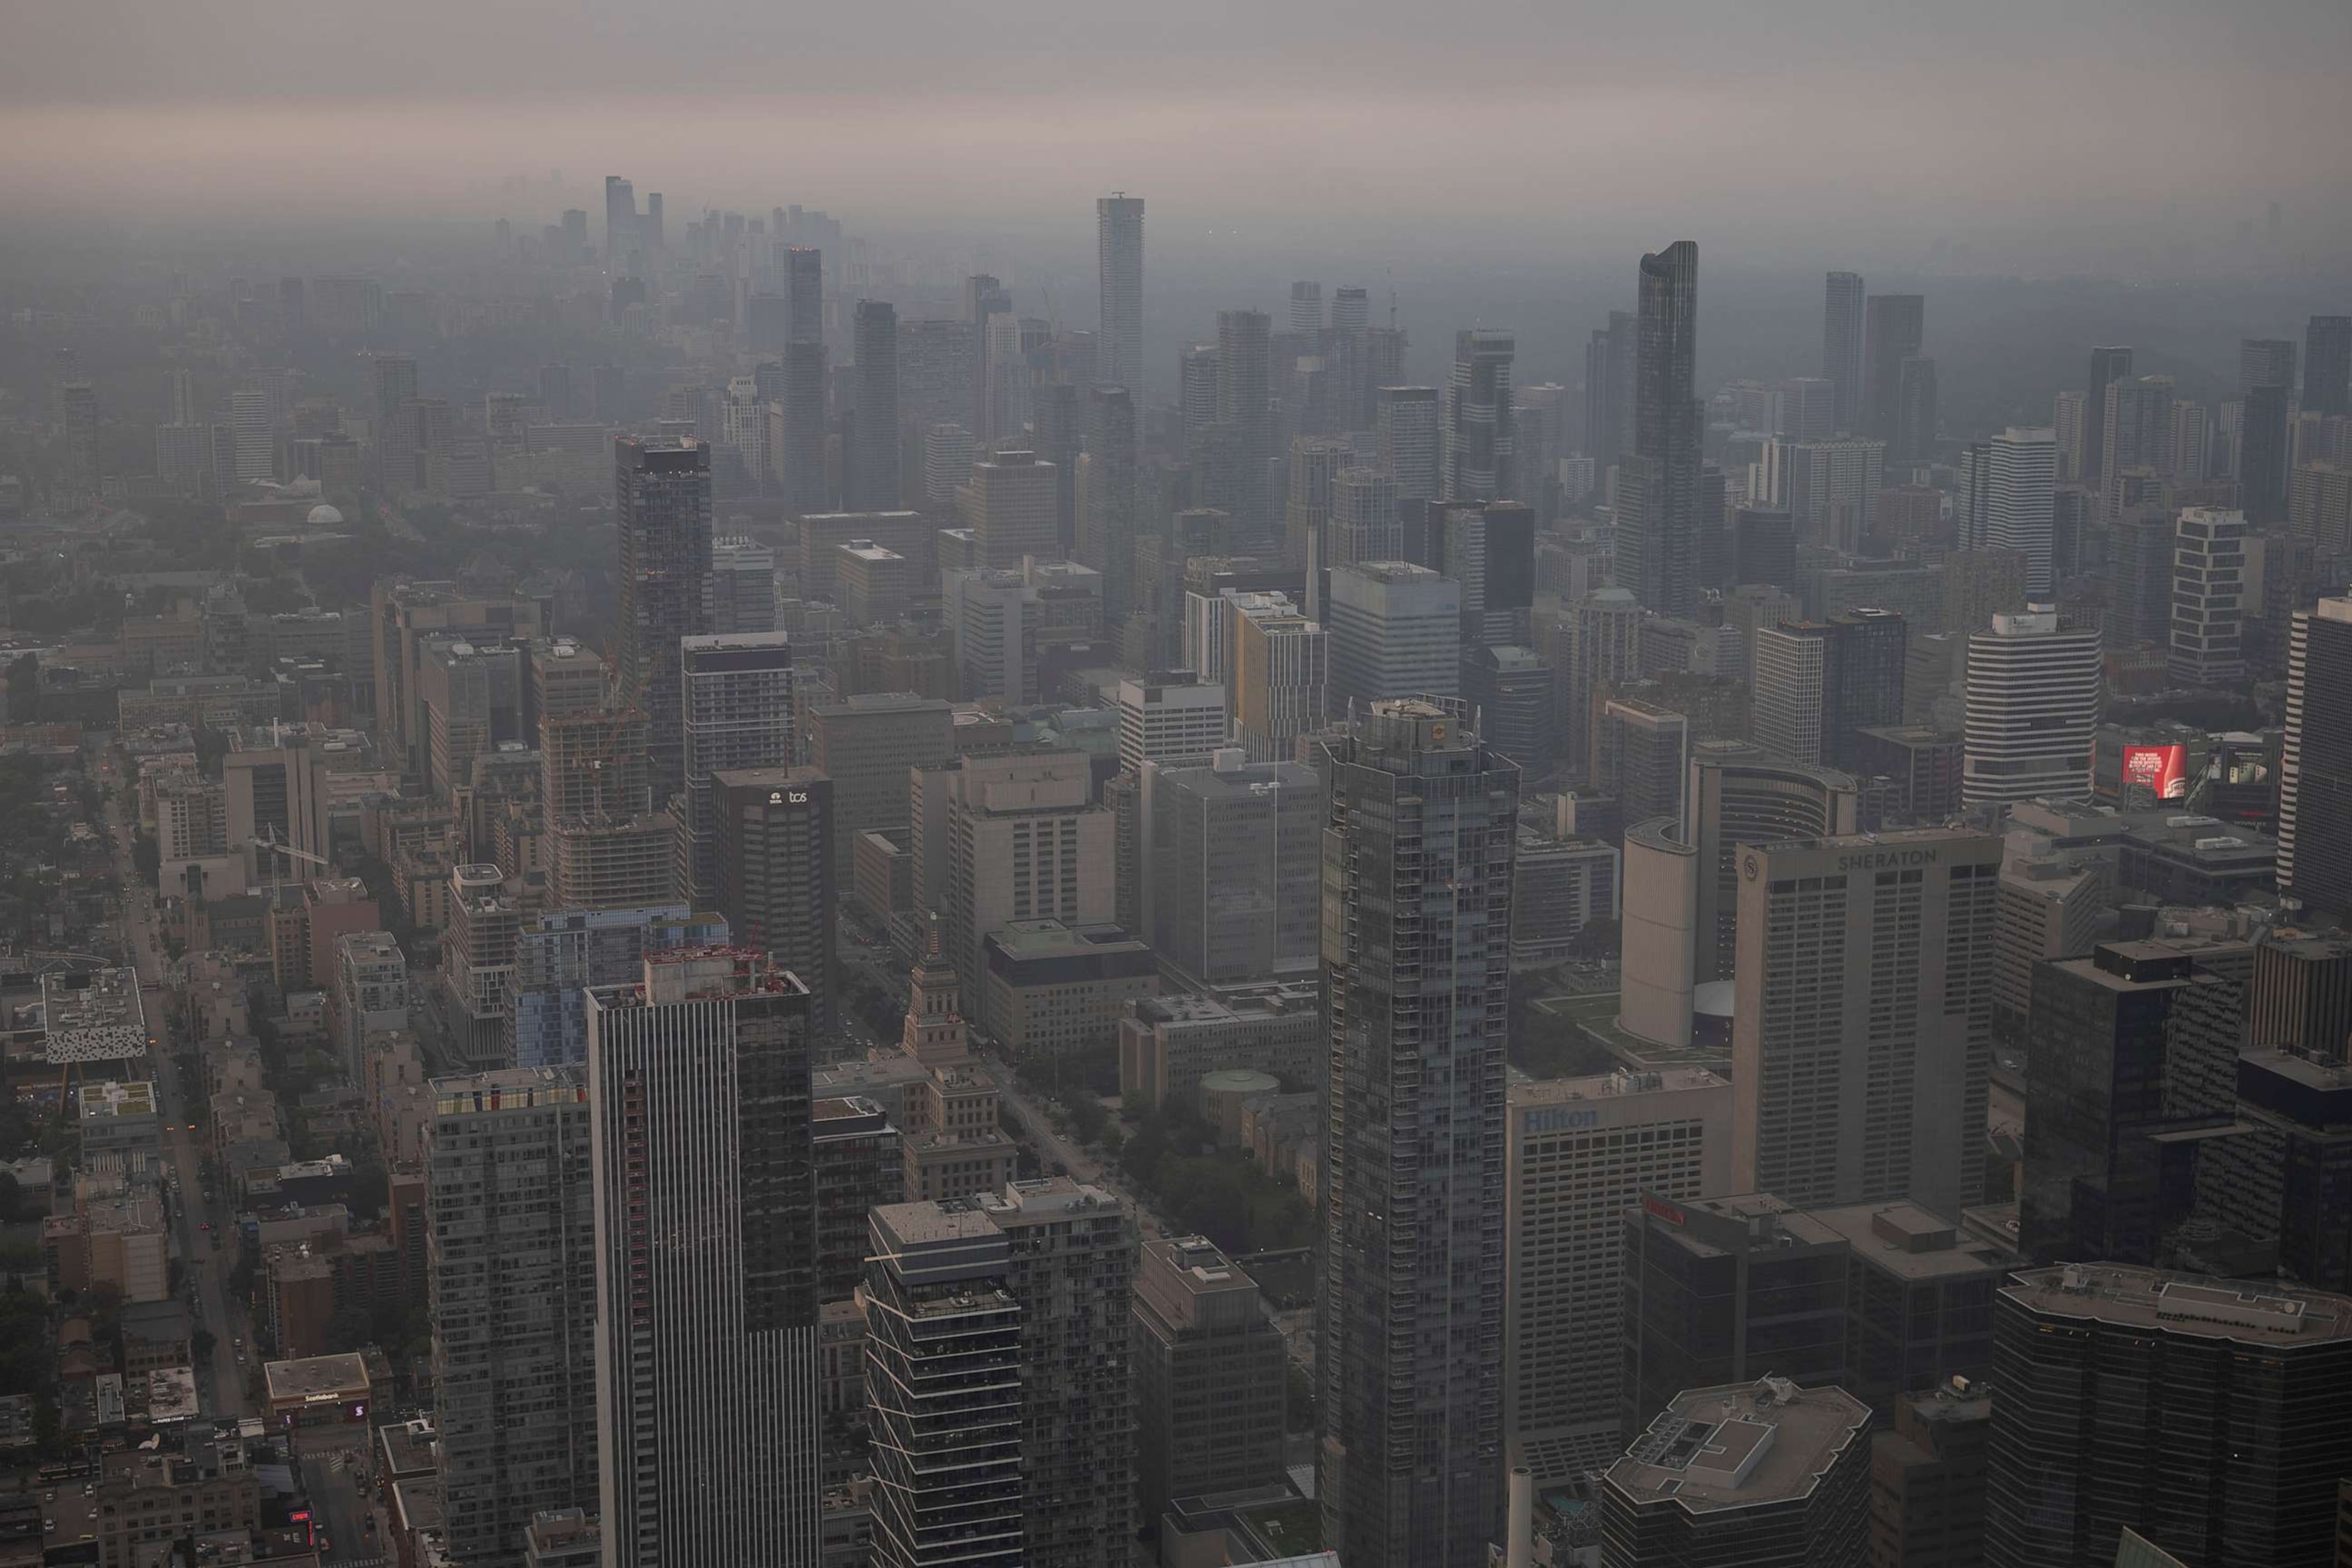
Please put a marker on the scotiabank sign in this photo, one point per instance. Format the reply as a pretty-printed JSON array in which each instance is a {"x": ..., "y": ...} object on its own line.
[{"x": 2162, "y": 771}]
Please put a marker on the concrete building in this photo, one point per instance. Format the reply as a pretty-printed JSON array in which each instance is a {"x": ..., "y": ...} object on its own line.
[
  {"x": 1862, "y": 1032},
  {"x": 1767, "y": 1475},
  {"x": 1168, "y": 1044},
  {"x": 774, "y": 848},
  {"x": 2034, "y": 690},
  {"x": 1168, "y": 715},
  {"x": 866, "y": 745},
  {"x": 739, "y": 715},
  {"x": 875, "y": 585},
  {"x": 1056, "y": 990},
  {"x": 1928, "y": 1479},
  {"x": 1559, "y": 884},
  {"x": 560, "y": 954},
  {"x": 1396, "y": 631},
  {"x": 1024, "y": 841},
  {"x": 1423, "y": 818},
  {"x": 1510, "y": 690},
  {"x": 706, "y": 1335},
  {"x": 404, "y": 614},
  {"x": 1659, "y": 942},
  {"x": 1739, "y": 794},
  {"x": 1210, "y": 1373},
  {"x": 1277, "y": 669},
  {"x": 1228, "y": 867},
  {"x": 371, "y": 993},
  {"x": 1015, "y": 510},
  {"x": 2209, "y": 588},
  {"x": 860, "y": 1165},
  {"x": 1579, "y": 1153},
  {"x": 511, "y": 1264}
]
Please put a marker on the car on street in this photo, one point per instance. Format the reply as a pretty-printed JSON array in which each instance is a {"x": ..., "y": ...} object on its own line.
[{"x": 203, "y": 1225}]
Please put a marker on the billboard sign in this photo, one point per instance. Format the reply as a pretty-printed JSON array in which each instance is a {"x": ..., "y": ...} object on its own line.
[{"x": 2162, "y": 771}]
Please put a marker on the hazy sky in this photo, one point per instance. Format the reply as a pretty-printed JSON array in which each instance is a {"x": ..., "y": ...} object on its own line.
[{"x": 2013, "y": 124}]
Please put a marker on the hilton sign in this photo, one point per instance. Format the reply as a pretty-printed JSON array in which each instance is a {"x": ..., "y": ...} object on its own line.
[{"x": 1564, "y": 1119}]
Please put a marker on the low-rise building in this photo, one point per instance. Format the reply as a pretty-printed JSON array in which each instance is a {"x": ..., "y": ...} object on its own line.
[
  {"x": 1057, "y": 991},
  {"x": 1168, "y": 1044}
]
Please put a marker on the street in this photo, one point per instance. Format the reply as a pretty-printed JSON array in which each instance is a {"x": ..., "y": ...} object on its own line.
[
  {"x": 207, "y": 1267},
  {"x": 332, "y": 1477}
]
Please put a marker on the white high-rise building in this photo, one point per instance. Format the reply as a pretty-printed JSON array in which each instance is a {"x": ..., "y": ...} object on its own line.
[
  {"x": 707, "y": 1369},
  {"x": 1579, "y": 1153},
  {"x": 1791, "y": 668},
  {"x": 947, "y": 462},
  {"x": 1173, "y": 714},
  {"x": 1118, "y": 248},
  {"x": 1862, "y": 1034},
  {"x": 1396, "y": 631},
  {"x": 2021, "y": 500},
  {"x": 1407, "y": 422},
  {"x": 1306, "y": 313},
  {"x": 2208, "y": 583},
  {"x": 1015, "y": 510},
  {"x": 256, "y": 448},
  {"x": 2033, "y": 694},
  {"x": 1365, "y": 525}
]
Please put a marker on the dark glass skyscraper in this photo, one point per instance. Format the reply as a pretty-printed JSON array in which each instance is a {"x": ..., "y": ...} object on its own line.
[
  {"x": 1242, "y": 402},
  {"x": 2314, "y": 859},
  {"x": 2328, "y": 365},
  {"x": 1609, "y": 391},
  {"x": 873, "y": 464},
  {"x": 1658, "y": 525},
  {"x": 1416, "y": 960},
  {"x": 1842, "y": 344},
  {"x": 2108, "y": 365},
  {"x": 1894, "y": 328},
  {"x": 661, "y": 503}
]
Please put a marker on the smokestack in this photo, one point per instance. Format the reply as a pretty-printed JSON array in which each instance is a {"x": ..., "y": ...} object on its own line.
[{"x": 1520, "y": 1547}]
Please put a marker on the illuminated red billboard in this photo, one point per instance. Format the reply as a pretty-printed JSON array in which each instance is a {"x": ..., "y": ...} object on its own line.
[{"x": 2162, "y": 771}]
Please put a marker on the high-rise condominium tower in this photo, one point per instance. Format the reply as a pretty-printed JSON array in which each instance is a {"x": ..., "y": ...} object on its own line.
[
  {"x": 512, "y": 1261},
  {"x": 1417, "y": 878},
  {"x": 2315, "y": 859},
  {"x": 1863, "y": 1033},
  {"x": 1242, "y": 402},
  {"x": 705, "y": 1242},
  {"x": 1842, "y": 344},
  {"x": 1481, "y": 440},
  {"x": 661, "y": 495},
  {"x": 2328, "y": 365},
  {"x": 2109, "y": 365},
  {"x": 1119, "y": 259},
  {"x": 1406, "y": 420},
  {"x": 873, "y": 482},
  {"x": 1658, "y": 520}
]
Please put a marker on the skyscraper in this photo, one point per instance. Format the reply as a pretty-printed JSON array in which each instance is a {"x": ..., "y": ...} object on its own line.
[
  {"x": 1480, "y": 429},
  {"x": 2209, "y": 1416},
  {"x": 661, "y": 495},
  {"x": 2108, "y": 365},
  {"x": 1107, "y": 519},
  {"x": 799, "y": 449},
  {"x": 1405, "y": 419},
  {"x": 1243, "y": 393},
  {"x": 804, "y": 294},
  {"x": 1396, "y": 631},
  {"x": 739, "y": 714},
  {"x": 2208, "y": 576},
  {"x": 2315, "y": 855},
  {"x": 1417, "y": 865},
  {"x": 705, "y": 1242},
  {"x": 2265, "y": 449},
  {"x": 1894, "y": 329},
  {"x": 511, "y": 1265},
  {"x": 2033, "y": 693},
  {"x": 1609, "y": 376},
  {"x": 774, "y": 833},
  {"x": 620, "y": 220},
  {"x": 1658, "y": 521},
  {"x": 1915, "y": 409},
  {"x": 1016, "y": 502},
  {"x": 1208, "y": 1370},
  {"x": 1863, "y": 1028},
  {"x": 2137, "y": 429},
  {"x": 2328, "y": 365},
  {"x": 1842, "y": 345},
  {"x": 873, "y": 459},
  {"x": 1118, "y": 260},
  {"x": 2020, "y": 501}
]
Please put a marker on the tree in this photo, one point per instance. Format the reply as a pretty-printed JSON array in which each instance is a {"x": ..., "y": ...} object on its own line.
[{"x": 25, "y": 690}]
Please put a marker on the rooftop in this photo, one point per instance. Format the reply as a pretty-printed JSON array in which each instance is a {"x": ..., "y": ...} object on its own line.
[
  {"x": 93, "y": 1015},
  {"x": 2182, "y": 1303},
  {"x": 1615, "y": 1083},
  {"x": 1914, "y": 1243},
  {"x": 317, "y": 1379},
  {"x": 1740, "y": 1445},
  {"x": 99, "y": 1101}
]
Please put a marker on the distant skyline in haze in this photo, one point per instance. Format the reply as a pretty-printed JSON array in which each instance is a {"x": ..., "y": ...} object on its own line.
[{"x": 2130, "y": 137}]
